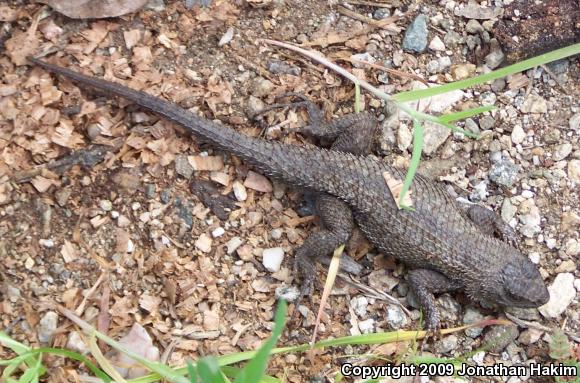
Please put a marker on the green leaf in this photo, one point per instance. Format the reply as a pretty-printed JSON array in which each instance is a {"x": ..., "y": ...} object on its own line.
[
  {"x": 559, "y": 345},
  {"x": 255, "y": 369},
  {"x": 499, "y": 73}
]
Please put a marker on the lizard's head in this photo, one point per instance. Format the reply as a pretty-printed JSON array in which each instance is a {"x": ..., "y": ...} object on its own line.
[{"x": 521, "y": 284}]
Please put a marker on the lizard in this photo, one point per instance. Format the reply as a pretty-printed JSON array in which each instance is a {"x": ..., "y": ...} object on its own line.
[{"x": 444, "y": 248}]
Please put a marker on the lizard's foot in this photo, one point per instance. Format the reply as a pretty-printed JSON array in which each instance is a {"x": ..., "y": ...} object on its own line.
[
  {"x": 304, "y": 268},
  {"x": 430, "y": 333}
]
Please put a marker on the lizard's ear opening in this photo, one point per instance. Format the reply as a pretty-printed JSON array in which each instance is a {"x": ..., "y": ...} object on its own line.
[{"x": 523, "y": 285}]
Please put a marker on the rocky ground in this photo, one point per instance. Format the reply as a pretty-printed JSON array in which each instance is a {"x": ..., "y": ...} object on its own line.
[{"x": 126, "y": 241}]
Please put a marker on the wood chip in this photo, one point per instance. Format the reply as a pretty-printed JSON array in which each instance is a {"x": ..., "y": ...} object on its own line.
[
  {"x": 212, "y": 163},
  {"x": 150, "y": 303},
  {"x": 221, "y": 178},
  {"x": 203, "y": 243},
  {"x": 132, "y": 37},
  {"x": 69, "y": 252}
]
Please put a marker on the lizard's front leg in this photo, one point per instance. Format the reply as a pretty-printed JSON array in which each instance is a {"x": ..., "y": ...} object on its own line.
[
  {"x": 425, "y": 283},
  {"x": 492, "y": 224}
]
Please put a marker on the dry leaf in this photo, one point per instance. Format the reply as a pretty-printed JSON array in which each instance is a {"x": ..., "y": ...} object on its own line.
[
  {"x": 94, "y": 9},
  {"x": 395, "y": 185},
  {"x": 22, "y": 44},
  {"x": 7, "y": 14}
]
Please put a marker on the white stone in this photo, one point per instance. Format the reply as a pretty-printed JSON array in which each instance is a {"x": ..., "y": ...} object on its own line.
[
  {"x": 436, "y": 44},
  {"x": 534, "y": 104},
  {"x": 218, "y": 232},
  {"x": 562, "y": 293},
  {"x": 272, "y": 258},
  {"x": 574, "y": 171},
  {"x": 240, "y": 191},
  {"x": 518, "y": 135},
  {"x": 534, "y": 258},
  {"x": 48, "y": 243},
  {"x": 435, "y": 104},
  {"x": 76, "y": 343},
  {"x": 367, "y": 326},
  {"x": 233, "y": 244},
  {"x": 47, "y": 327},
  {"x": 528, "y": 194},
  {"x": 359, "y": 304}
]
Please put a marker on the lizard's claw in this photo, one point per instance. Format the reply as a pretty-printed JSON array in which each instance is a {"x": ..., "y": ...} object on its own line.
[
  {"x": 431, "y": 333},
  {"x": 304, "y": 268}
]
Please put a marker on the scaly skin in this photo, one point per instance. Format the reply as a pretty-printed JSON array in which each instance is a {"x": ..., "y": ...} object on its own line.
[{"x": 444, "y": 248}]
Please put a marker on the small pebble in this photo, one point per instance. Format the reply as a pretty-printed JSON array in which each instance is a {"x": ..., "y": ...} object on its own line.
[
  {"x": 367, "y": 326},
  {"x": 473, "y": 26},
  {"x": 415, "y": 39},
  {"x": 272, "y": 258},
  {"x": 498, "y": 337},
  {"x": 106, "y": 205},
  {"x": 48, "y": 243},
  {"x": 47, "y": 327},
  {"x": 239, "y": 191},
  {"x": 218, "y": 232},
  {"x": 437, "y": 44},
  {"x": 233, "y": 244},
  {"x": 396, "y": 317},
  {"x": 276, "y": 234},
  {"x": 562, "y": 293}
]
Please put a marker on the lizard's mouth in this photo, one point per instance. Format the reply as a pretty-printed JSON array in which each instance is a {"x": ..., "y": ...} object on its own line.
[{"x": 535, "y": 297}]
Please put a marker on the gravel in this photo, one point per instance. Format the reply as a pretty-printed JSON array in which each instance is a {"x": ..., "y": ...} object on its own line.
[
  {"x": 415, "y": 39},
  {"x": 562, "y": 293}
]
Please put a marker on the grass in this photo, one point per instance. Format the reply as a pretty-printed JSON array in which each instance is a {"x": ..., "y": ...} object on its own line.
[{"x": 219, "y": 369}]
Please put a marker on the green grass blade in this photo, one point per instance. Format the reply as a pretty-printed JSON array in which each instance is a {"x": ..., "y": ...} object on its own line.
[
  {"x": 191, "y": 372},
  {"x": 61, "y": 352},
  {"x": 32, "y": 374},
  {"x": 17, "y": 347},
  {"x": 415, "y": 159},
  {"x": 466, "y": 113},
  {"x": 208, "y": 369},
  {"x": 511, "y": 69},
  {"x": 255, "y": 369},
  {"x": 233, "y": 372}
]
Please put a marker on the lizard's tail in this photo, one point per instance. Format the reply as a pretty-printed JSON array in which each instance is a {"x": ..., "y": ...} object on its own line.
[{"x": 307, "y": 167}]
